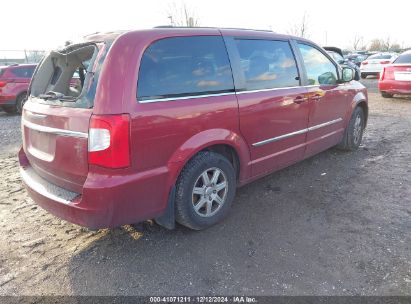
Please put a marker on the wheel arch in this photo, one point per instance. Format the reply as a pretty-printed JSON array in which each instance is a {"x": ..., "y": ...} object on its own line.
[
  {"x": 360, "y": 100},
  {"x": 225, "y": 142}
]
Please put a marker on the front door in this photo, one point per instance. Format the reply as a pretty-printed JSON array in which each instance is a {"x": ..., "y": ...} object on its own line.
[
  {"x": 327, "y": 100},
  {"x": 273, "y": 106}
]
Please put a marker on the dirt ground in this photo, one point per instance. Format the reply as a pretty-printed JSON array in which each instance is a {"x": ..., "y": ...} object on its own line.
[{"x": 335, "y": 224}]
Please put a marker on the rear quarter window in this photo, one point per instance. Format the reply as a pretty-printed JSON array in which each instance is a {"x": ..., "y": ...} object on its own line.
[{"x": 184, "y": 66}]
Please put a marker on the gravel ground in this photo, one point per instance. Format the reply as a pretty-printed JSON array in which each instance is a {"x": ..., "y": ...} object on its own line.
[
  {"x": 371, "y": 83},
  {"x": 10, "y": 135},
  {"x": 335, "y": 224}
]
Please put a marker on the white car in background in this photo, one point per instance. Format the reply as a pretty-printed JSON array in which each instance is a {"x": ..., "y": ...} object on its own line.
[{"x": 374, "y": 64}]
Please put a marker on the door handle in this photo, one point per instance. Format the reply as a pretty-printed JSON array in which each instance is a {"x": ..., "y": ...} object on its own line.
[{"x": 300, "y": 99}]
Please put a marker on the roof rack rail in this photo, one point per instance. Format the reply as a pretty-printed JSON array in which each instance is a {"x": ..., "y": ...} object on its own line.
[{"x": 212, "y": 27}]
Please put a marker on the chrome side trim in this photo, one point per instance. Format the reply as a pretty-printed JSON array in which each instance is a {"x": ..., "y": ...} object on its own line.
[
  {"x": 223, "y": 94},
  {"x": 186, "y": 97},
  {"x": 46, "y": 189},
  {"x": 268, "y": 90},
  {"x": 324, "y": 124},
  {"x": 273, "y": 139},
  {"x": 55, "y": 131},
  {"x": 299, "y": 132}
]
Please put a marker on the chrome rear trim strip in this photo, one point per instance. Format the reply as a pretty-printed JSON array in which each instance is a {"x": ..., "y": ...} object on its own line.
[
  {"x": 55, "y": 131},
  {"x": 299, "y": 132}
]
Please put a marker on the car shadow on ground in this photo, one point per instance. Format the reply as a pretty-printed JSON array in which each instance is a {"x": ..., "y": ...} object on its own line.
[{"x": 286, "y": 233}]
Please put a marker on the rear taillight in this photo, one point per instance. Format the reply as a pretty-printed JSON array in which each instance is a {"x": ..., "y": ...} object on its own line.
[
  {"x": 2, "y": 84},
  {"x": 109, "y": 141},
  {"x": 385, "y": 62},
  {"x": 364, "y": 62}
]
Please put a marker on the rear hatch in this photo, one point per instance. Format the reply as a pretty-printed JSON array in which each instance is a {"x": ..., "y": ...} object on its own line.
[{"x": 56, "y": 117}]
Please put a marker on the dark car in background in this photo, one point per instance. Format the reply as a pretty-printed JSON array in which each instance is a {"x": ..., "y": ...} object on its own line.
[
  {"x": 14, "y": 84},
  {"x": 357, "y": 58},
  {"x": 337, "y": 55}
]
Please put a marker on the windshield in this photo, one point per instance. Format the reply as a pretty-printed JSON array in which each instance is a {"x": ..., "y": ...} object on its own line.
[{"x": 69, "y": 77}]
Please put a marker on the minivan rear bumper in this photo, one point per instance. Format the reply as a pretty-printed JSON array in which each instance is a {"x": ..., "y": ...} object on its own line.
[{"x": 97, "y": 207}]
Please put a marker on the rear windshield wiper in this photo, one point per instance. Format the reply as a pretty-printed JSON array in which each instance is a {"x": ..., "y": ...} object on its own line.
[{"x": 51, "y": 95}]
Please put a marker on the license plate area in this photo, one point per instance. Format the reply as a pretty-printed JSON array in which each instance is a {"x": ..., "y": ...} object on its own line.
[
  {"x": 41, "y": 145},
  {"x": 402, "y": 76}
]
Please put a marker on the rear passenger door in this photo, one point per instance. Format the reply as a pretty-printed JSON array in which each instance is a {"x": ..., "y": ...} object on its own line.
[{"x": 273, "y": 106}]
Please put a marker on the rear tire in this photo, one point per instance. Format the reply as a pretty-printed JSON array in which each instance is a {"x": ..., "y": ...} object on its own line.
[
  {"x": 354, "y": 131},
  {"x": 386, "y": 95},
  {"x": 205, "y": 191},
  {"x": 20, "y": 101}
]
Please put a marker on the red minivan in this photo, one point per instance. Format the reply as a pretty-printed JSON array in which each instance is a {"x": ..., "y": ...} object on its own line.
[{"x": 168, "y": 122}]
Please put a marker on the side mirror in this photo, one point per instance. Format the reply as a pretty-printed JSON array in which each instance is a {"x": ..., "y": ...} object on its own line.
[{"x": 347, "y": 74}]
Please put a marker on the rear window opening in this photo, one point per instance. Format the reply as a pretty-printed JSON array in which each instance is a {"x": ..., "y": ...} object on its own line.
[{"x": 64, "y": 76}]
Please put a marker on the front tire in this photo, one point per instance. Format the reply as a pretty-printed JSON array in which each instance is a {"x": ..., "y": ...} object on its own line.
[
  {"x": 354, "y": 131},
  {"x": 205, "y": 191}
]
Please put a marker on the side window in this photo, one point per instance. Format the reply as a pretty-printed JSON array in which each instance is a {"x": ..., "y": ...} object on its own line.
[
  {"x": 184, "y": 66},
  {"x": 23, "y": 72},
  {"x": 267, "y": 64},
  {"x": 320, "y": 70}
]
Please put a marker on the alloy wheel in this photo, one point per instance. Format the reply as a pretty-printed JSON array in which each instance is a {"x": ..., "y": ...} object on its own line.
[{"x": 209, "y": 192}]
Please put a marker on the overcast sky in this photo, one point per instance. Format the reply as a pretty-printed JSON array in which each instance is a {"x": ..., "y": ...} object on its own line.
[{"x": 47, "y": 24}]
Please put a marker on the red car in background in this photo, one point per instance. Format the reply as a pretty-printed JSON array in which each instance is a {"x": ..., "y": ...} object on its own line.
[
  {"x": 396, "y": 78},
  {"x": 14, "y": 83}
]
